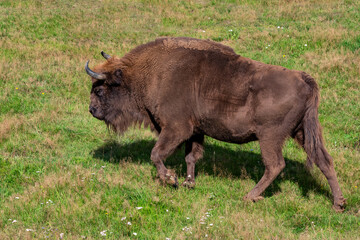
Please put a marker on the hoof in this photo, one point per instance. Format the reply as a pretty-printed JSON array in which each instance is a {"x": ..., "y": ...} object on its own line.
[
  {"x": 339, "y": 206},
  {"x": 170, "y": 178},
  {"x": 253, "y": 199},
  {"x": 188, "y": 184}
]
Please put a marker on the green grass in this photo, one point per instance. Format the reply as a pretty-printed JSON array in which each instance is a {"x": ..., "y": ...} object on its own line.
[{"x": 63, "y": 172}]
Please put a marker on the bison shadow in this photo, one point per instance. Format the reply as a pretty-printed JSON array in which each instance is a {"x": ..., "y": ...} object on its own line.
[{"x": 217, "y": 161}]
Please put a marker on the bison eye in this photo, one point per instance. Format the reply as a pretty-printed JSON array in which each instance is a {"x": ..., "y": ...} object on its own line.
[{"x": 99, "y": 92}]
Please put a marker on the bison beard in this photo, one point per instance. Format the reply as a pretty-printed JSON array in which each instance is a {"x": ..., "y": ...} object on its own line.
[
  {"x": 121, "y": 119},
  {"x": 186, "y": 88}
]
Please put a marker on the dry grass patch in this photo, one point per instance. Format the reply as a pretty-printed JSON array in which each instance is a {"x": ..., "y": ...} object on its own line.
[
  {"x": 245, "y": 14},
  {"x": 332, "y": 60},
  {"x": 10, "y": 124},
  {"x": 328, "y": 34},
  {"x": 245, "y": 225}
]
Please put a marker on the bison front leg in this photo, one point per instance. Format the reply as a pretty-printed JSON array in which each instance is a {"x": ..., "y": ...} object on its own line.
[
  {"x": 193, "y": 152},
  {"x": 169, "y": 140},
  {"x": 274, "y": 164}
]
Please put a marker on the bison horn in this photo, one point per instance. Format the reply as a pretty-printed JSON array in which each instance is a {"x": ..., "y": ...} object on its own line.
[
  {"x": 98, "y": 76},
  {"x": 106, "y": 56}
]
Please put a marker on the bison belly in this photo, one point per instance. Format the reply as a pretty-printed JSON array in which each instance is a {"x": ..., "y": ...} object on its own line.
[{"x": 229, "y": 126}]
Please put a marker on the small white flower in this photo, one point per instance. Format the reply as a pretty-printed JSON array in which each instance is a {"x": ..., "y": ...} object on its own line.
[
  {"x": 129, "y": 223},
  {"x": 29, "y": 230},
  {"x": 135, "y": 233},
  {"x": 187, "y": 229},
  {"x": 167, "y": 210},
  {"x": 103, "y": 233},
  {"x": 206, "y": 235},
  {"x": 16, "y": 197},
  {"x": 61, "y": 235},
  {"x": 187, "y": 218},
  {"x": 211, "y": 224},
  {"x": 278, "y": 26},
  {"x": 103, "y": 166},
  {"x": 305, "y": 45},
  {"x": 37, "y": 171},
  {"x": 15, "y": 221},
  {"x": 138, "y": 208},
  {"x": 230, "y": 30},
  {"x": 167, "y": 239},
  {"x": 122, "y": 219}
]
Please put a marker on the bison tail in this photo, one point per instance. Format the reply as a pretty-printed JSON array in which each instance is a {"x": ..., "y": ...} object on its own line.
[{"x": 313, "y": 142}]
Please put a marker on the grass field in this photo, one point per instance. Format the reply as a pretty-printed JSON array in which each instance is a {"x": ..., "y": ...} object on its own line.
[{"x": 64, "y": 175}]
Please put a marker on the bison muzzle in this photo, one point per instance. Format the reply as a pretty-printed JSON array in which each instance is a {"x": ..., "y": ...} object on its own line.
[{"x": 187, "y": 88}]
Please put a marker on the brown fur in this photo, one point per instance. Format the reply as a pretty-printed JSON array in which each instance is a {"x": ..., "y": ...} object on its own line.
[{"x": 188, "y": 88}]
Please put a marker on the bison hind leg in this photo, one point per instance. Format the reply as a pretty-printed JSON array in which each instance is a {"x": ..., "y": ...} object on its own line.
[
  {"x": 193, "y": 152},
  {"x": 274, "y": 163}
]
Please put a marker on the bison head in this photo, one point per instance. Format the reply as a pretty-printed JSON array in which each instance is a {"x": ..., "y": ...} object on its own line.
[{"x": 110, "y": 100}]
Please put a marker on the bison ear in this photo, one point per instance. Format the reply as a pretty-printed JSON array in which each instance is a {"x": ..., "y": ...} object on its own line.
[{"x": 117, "y": 77}]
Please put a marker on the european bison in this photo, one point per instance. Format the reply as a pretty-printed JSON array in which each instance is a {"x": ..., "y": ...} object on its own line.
[{"x": 186, "y": 88}]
